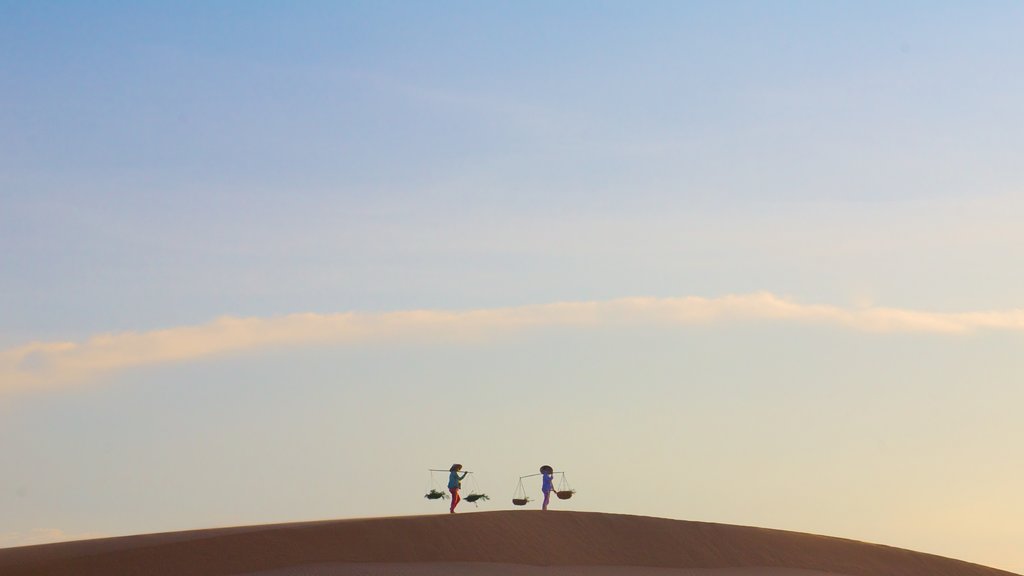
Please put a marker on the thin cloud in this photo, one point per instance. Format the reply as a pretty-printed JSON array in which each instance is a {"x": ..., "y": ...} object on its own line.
[
  {"x": 39, "y": 365},
  {"x": 43, "y": 536}
]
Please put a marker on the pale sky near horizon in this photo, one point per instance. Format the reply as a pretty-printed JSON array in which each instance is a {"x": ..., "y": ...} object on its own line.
[{"x": 744, "y": 262}]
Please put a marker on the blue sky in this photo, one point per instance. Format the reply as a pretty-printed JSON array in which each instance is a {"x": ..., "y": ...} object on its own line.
[{"x": 837, "y": 183}]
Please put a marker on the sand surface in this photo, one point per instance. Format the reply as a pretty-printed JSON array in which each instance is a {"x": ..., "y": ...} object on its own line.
[
  {"x": 477, "y": 568},
  {"x": 503, "y": 543}
]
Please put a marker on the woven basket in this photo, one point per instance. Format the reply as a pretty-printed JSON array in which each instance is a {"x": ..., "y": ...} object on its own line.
[
  {"x": 520, "y": 501},
  {"x": 565, "y": 494}
]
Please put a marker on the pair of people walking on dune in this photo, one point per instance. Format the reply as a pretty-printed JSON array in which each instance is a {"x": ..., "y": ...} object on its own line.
[{"x": 455, "y": 484}]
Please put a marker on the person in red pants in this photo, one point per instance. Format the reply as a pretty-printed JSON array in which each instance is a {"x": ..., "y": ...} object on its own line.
[{"x": 454, "y": 483}]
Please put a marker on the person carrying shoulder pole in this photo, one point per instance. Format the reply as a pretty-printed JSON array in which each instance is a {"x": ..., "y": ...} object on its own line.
[
  {"x": 454, "y": 483},
  {"x": 548, "y": 486}
]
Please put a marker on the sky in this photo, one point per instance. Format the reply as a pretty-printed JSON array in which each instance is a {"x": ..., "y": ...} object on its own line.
[{"x": 744, "y": 262}]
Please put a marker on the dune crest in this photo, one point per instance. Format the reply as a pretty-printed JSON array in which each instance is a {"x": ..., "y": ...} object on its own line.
[{"x": 523, "y": 543}]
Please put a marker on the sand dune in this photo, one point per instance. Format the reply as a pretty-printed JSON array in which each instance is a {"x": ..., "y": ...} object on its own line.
[
  {"x": 488, "y": 569},
  {"x": 504, "y": 543}
]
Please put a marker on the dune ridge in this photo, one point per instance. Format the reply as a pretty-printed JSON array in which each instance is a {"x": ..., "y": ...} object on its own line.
[{"x": 533, "y": 538}]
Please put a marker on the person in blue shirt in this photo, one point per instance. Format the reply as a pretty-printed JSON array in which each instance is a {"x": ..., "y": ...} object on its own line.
[
  {"x": 454, "y": 483},
  {"x": 547, "y": 474}
]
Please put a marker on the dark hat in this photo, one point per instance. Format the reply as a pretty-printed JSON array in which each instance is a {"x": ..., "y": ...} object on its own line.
[
  {"x": 455, "y": 467},
  {"x": 545, "y": 469}
]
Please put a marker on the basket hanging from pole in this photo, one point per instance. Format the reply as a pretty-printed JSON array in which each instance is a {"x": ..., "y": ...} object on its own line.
[
  {"x": 433, "y": 489},
  {"x": 519, "y": 497},
  {"x": 564, "y": 491},
  {"x": 476, "y": 495}
]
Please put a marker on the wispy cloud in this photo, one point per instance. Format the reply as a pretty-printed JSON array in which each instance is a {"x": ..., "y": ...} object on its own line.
[
  {"x": 46, "y": 364},
  {"x": 42, "y": 536}
]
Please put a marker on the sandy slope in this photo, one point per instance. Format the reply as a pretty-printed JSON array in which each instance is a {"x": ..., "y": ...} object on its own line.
[
  {"x": 505, "y": 543},
  {"x": 477, "y": 569}
]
